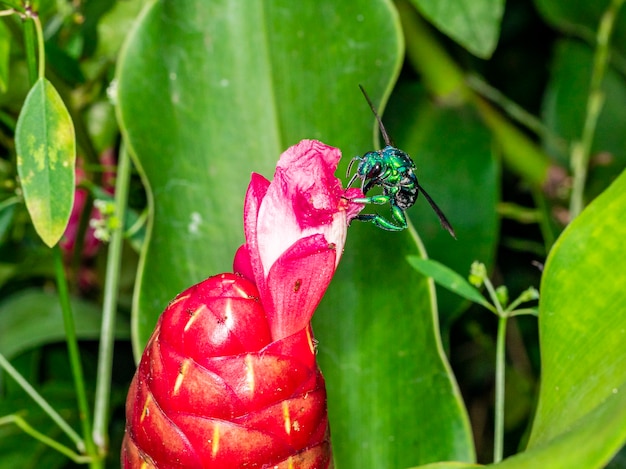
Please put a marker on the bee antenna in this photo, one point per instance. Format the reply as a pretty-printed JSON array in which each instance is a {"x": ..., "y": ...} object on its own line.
[
  {"x": 350, "y": 165},
  {"x": 442, "y": 218},
  {"x": 383, "y": 131}
]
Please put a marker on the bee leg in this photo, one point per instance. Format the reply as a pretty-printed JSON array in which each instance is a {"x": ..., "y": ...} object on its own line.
[
  {"x": 399, "y": 216},
  {"x": 379, "y": 221},
  {"x": 375, "y": 199}
]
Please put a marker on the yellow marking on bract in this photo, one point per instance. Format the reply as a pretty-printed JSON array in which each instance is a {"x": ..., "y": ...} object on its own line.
[
  {"x": 146, "y": 408},
  {"x": 178, "y": 300},
  {"x": 181, "y": 376},
  {"x": 286, "y": 418},
  {"x": 240, "y": 291},
  {"x": 215, "y": 443},
  {"x": 250, "y": 378},
  {"x": 193, "y": 317},
  {"x": 310, "y": 340},
  {"x": 228, "y": 313}
]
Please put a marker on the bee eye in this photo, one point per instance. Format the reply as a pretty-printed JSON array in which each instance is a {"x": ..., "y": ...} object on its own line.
[{"x": 374, "y": 171}]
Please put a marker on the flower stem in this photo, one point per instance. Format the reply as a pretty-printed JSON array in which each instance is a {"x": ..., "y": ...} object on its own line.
[
  {"x": 107, "y": 333},
  {"x": 498, "y": 433},
  {"x": 46, "y": 440},
  {"x": 498, "y": 443},
  {"x": 35, "y": 55},
  {"x": 581, "y": 150},
  {"x": 30, "y": 49},
  {"x": 41, "y": 50},
  {"x": 74, "y": 354}
]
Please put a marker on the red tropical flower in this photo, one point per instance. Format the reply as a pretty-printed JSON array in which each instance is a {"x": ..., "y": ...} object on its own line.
[{"x": 229, "y": 378}]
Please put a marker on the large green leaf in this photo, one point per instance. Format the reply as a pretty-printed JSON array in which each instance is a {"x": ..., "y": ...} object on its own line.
[
  {"x": 475, "y": 24},
  {"x": 582, "y": 323},
  {"x": 46, "y": 154},
  {"x": 587, "y": 444},
  {"x": 209, "y": 92}
]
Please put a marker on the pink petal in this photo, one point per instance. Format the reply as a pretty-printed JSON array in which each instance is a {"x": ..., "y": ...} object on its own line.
[
  {"x": 305, "y": 198},
  {"x": 296, "y": 283},
  {"x": 257, "y": 190},
  {"x": 352, "y": 208}
]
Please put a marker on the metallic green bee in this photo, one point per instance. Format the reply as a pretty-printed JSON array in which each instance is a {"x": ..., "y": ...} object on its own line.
[{"x": 394, "y": 171}]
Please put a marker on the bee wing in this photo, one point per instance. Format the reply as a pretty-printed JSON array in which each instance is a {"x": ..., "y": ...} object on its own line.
[{"x": 442, "y": 218}]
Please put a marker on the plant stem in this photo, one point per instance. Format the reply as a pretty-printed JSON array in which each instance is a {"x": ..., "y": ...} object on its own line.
[
  {"x": 36, "y": 62},
  {"x": 498, "y": 438},
  {"x": 512, "y": 109},
  {"x": 107, "y": 337},
  {"x": 41, "y": 402},
  {"x": 498, "y": 433},
  {"x": 46, "y": 440},
  {"x": 581, "y": 150},
  {"x": 494, "y": 297},
  {"x": 30, "y": 49},
  {"x": 41, "y": 50},
  {"x": 74, "y": 354}
]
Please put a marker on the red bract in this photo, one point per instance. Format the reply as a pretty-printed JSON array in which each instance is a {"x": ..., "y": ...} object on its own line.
[{"x": 229, "y": 378}]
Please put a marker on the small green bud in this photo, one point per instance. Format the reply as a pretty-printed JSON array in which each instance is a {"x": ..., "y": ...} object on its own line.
[
  {"x": 502, "y": 293},
  {"x": 478, "y": 274},
  {"x": 106, "y": 207},
  {"x": 529, "y": 295},
  {"x": 109, "y": 222}
]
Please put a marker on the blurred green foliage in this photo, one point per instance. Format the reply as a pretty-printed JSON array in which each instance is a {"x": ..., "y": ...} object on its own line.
[{"x": 489, "y": 98}]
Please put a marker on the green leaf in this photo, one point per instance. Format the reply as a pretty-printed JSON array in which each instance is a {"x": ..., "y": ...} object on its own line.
[
  {"x": 46, "y": 154},
  {"x": 474, "y": 24},
  {"x": 32, "y": 318},
  {"x": 210, "y": 91},
  {"x": 582, "y": 319},
  {"x": 449, "y": 279},
  {"x": 589, "y": 443},
  {"x": 448, "y": 465}
]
